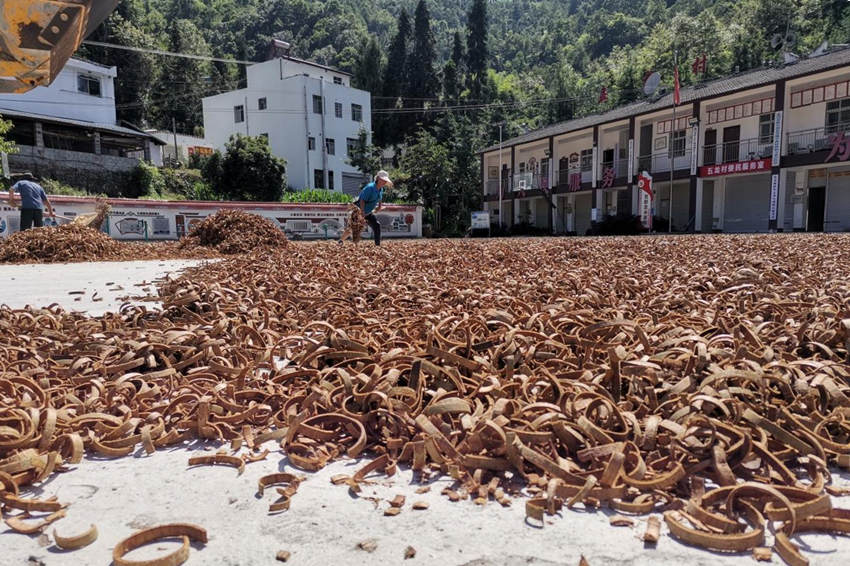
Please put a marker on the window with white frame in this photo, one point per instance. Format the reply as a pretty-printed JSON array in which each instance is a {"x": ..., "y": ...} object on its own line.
[
  {"x": 351, "y": 146},
  {"x": 338, "y": 109},
  {"x": 88, "y": 84},
  {"x": 262, "y": 103},
  {"x": 356, "y": 112},
  {"x": 766, "y": 125},
  {"x": 587, "y": 160},
  {"x": 837, "y": 115},
  {"x": 331, "y": 145},
  {"x": 337, "y": 80},
  {"x": 678, "y": 143},
  {"x": 239, "y": 114},
  {"x": 311, "y": 143},
  {"x": 317, "y": 104}
]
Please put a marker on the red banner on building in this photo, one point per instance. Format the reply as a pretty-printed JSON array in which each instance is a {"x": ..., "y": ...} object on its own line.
[{"x": 754, "y": 166}]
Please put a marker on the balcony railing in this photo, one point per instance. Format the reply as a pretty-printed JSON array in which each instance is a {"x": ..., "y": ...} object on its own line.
[
  {"x": 661, "y": 162},
  {"x": 741, "y": 150},
  {"x": 530, "y": 182},
  {"x": 493, "y": 187},
  {"x": 817, "y": 139},
  {"x": 564, "y": 177}
]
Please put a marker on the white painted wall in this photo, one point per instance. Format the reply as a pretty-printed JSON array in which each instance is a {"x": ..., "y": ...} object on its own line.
[
  {"x": 284, "y": 120},
  {"x": 184, "y": 142},
  {"x": 281, "y": 68},
  {"x": 812, "y": 116},
  {"x": 62, "y": 99}
]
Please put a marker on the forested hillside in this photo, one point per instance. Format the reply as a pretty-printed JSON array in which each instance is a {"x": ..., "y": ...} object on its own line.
[
  {"x": 444, "y": 73},
  {"x": 537, "y": 49}
]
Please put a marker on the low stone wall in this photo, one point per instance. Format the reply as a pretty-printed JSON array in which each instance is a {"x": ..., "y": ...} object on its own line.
[{"x": 96, "y": 173}]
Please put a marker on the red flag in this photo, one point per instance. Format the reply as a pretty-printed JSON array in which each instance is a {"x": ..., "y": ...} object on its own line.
[
  {"x": 677, "y": 97},
  {"x": 645, "y": 184},
  {"x": 603, "y": 95},
  {"x": 699, "y": 65}
]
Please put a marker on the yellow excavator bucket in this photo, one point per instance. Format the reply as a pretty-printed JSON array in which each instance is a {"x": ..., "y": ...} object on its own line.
[{"x": 37, "y": 37}]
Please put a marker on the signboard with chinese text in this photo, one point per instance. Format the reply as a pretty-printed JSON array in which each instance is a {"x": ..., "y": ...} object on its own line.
[
  {"x": 777, "y": 138},
  {"x": 774, "y": 196},
  {"x": 481, "y": 220},
  {"x": 694, "y": 144},
  {"x": 754, "y": 166}
]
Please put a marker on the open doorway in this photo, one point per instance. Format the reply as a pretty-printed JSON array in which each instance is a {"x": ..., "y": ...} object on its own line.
[{"x": 817, "y": 208}]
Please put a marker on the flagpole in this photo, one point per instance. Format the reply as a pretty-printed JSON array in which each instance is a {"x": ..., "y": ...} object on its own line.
[{"x": 673, "y": 145}]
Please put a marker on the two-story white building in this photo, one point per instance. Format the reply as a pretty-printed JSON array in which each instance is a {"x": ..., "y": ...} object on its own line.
[
  {"x": 309, "y": 112},
  {"x": 766, "y": 150},
  {"x": 69, "y": 130}
]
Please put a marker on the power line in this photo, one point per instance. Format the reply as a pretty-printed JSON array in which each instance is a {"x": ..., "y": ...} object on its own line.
[{"x": 167, "y": 53}]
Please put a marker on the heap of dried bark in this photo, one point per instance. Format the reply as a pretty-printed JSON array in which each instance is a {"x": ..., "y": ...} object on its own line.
[
  {"x": 706, "y": 378},
  {"x": 68, "y": 243},
  {"x": 235, "y": 232},
  {"x": 78, "y": 243}
]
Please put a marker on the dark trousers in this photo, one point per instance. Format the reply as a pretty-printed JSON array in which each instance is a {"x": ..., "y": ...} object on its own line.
[
  {"x": 31, "y": 217},
  {"x": 376, "y": 227}
]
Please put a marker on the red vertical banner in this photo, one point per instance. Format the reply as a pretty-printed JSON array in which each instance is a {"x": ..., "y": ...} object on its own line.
[{"x": 645, "y": 202}]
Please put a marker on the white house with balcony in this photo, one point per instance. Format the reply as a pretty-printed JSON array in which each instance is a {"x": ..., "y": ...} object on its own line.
[
  {"x": 309, "y": 113},
  {"x": 69, "y": 130},
  {"x": 766, "y": 150}
]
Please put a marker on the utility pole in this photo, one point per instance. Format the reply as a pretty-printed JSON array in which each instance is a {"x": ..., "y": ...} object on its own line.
[
  {"x": 174, "y": 132},
  {"x": 672, "y": 147},
  {"x": 247, "y": 129},
  {"x": 500, "y": 124}
]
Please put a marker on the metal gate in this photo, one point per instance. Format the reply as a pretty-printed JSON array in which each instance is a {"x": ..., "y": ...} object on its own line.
[
  {"x": 747, "y": 207},
  {"x": 583, "y": 205},
  {"x": 838, "y": 202},
  {"x": 352, "y": 183}
]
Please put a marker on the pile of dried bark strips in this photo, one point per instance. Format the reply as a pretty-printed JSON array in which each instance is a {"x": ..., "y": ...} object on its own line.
[
  {"x": 77, "y": 243},
  {"x": 235, "y": 232},
  {"x": 703, "y": 380},
  {"x": 67, "y": 243}
]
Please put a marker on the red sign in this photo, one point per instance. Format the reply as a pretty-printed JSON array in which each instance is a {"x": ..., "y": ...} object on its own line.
[
  {"x": 755, "y": 166},
  {"x": 608, "y": 178},
  {"x": 199, "y": 150},
  {"x": 840, "y": 147}
]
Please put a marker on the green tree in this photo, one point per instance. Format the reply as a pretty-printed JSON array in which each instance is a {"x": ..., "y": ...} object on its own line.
[
  {"x": 182, "y": 81},
  {"x": 5, "y": 128},
  {"x": 137, "y": 74},
  {"x": 369, "y": 68},
  {"x": 451, "y": 83},
  {"x": 453, "y": 71},
  {"x": 428, "y": 169},
  {"x": 459, "y": 54},
  {"x": 364, "y": 156},
  {"x": 395, "y": 83},
  {"x": 248, "y": 171},
  {"x": 423, "y": 84},
  {"x": 477, "y": 48}
]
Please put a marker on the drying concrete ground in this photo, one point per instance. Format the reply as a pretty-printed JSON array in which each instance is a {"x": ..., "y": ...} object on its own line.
[
  {"x": 98, "y": 287},
  {"x": 325, "y": 522}
]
